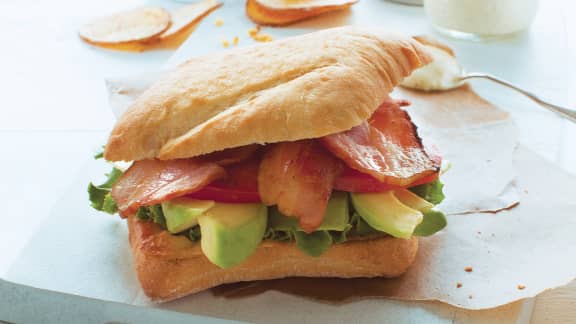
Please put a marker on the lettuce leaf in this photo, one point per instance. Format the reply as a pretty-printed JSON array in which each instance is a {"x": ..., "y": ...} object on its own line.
[
  {"x": 434, "y": 221},
  {"x": 193, "y": 234},
  {"x": 277, "y": 235},
  {"x": 341, "y": 237},
  {"x": 99, "y": 195},
  {"x": 431, "y": 192},
  {"x": 100, "y": 154},
  {"x": 313, "y": 244},
  {"x": 152, "y": 213}
]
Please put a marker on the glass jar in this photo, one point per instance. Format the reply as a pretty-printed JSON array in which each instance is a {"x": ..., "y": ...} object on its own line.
[{"x": 481, "y": 19}]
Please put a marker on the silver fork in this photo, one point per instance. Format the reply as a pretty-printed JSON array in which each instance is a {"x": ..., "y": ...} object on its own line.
[{"x": 561, "y": 111}]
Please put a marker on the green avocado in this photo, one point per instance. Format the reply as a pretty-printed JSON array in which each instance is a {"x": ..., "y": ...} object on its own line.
[
  {"x": 412, "y": 200},
  {"x": 232, "y": 232},
  {"x": 384, "y": 212},
  {"x": 182, "y": 213},
  {"x": 434, "y": 221},
  {"x": 336, "y": 218}
]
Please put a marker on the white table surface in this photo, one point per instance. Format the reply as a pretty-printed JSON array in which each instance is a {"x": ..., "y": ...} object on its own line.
[{"x": 55, "y": 114}]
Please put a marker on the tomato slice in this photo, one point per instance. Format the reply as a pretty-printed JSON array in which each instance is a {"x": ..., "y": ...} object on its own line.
[{"x": 241, "y": 185}]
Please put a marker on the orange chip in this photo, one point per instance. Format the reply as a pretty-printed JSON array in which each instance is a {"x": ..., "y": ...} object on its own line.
[
  {"x": 186, "y": 16},
  {"x": 281, "y": 12},
  {"x": 130, "y": 26}
]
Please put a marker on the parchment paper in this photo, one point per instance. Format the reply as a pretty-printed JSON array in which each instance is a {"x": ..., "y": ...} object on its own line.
[{"x": 84, "y": 252}]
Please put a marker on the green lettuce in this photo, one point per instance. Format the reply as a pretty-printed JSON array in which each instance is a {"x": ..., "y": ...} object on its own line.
[
  {"x": 313, "y": 244},
  {"x": 278, "y": 235},
  {"x": 99, "y": 154},
  {"x": 152, "y": 213},
  {"x": 99, "y": 195},
  {"x": 193, "y": 234},
  {"x": 431, "y": 192},
  {"x": 341, "y": 237}
]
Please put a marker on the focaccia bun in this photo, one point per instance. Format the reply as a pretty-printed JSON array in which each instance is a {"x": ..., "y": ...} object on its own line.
[
  {"x": 170, "y": 267},
  {"x": 301, "y": 87}
]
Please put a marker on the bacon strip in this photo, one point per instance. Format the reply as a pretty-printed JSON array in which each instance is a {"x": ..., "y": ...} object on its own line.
[
  {"x": 149, "y": 182},
  {"x": 298, "y": 177},
  {"x": 387, "y": 147},
  {"x": 232, "y": 155}
]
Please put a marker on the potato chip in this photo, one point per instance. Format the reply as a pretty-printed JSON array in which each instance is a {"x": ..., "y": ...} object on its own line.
[
  {"x": 283, "y": 12},
  {"x": 135, "y": 25},
  {"x": 186, "y": 16}
]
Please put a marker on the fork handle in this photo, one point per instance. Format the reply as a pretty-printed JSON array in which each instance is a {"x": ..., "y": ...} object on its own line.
[{"x": 561, "y": 111}]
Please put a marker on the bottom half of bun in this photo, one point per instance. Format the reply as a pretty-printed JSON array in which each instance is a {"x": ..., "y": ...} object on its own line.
[{"x": 171, "y": 266}]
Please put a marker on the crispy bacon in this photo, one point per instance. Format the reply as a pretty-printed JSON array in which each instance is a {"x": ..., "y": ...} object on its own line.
[
  {"x": 298, "y": 177},
  {"x": 232, "y": 155},
  {"x": 387, "y": 147},
  {"x": 149, "y": 182}
]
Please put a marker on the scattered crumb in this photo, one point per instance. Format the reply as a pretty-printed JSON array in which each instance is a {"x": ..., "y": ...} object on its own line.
[
  {"x": 225, "y": 43},
  {"x": 493, "y": 235},
  {"x": 458, "y": 285},
  {"x": 263, "y": 38},
  {"x": 520, "y": 287},
  {"x": 526, "y": 191},
  {"x": 219, "y": 22},
  {"x": 479, "y": 233},
  {"x": 235, "y": 40},
  {"x": 469, "y": 296},
  {"x": 254, "y": 31},
  {"x": 468, "y": 269},
  {"x": 259, "y": 37}
]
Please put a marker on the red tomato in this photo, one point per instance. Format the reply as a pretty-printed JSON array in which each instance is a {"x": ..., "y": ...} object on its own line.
[
  {"x": 355, "y": 181},
  {"x": 241, "y": 185}
]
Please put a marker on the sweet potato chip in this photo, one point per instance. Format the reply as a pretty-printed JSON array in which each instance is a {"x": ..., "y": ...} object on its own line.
[
  {"x": 141, "y": 25},
  {"x": 187, "y": 16},
  {"x": 282, "y": 12}
]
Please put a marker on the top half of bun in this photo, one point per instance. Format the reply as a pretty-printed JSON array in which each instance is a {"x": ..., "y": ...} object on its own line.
[{"x": 301, "y": 87}]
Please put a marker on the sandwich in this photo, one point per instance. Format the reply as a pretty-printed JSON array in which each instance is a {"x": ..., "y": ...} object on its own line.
[{"x": 278, "y": 160}]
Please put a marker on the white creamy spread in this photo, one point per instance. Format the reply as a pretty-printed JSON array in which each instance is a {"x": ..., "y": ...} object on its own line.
[
  {"x": 482, "y": 17},
  {"x": 442, "y": 74}
]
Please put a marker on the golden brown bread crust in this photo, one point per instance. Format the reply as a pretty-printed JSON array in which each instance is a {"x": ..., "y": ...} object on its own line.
[
  {"x": 301, "y": 87},
  {"x": 170, "y": 267}
]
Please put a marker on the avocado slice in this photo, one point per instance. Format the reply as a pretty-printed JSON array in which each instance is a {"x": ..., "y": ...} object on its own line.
[
  {"x": 434, "y": 221},
  {"x": 182, "y": 213},
  {"x": 336, "y": 217},
  {"x": 384, "y": 212},
  {"x": 232, "y": 232},
  {"x": 412, "y": 200}
]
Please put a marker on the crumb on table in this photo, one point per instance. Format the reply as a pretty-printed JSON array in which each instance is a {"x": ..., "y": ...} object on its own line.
[
  {"x": 254, "y": 31},
  {"x": 458, "y": 285},
  {"x": 235, "y": 40},
  {"x": 520, "y": 287},
  {"x": 219, "y": 22},
  {"x": 259, "y": 37},
  {"x": 263, "y": 38},
  {"x": 468, "y": 269},
  {"x": 225, "y": 43}
]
